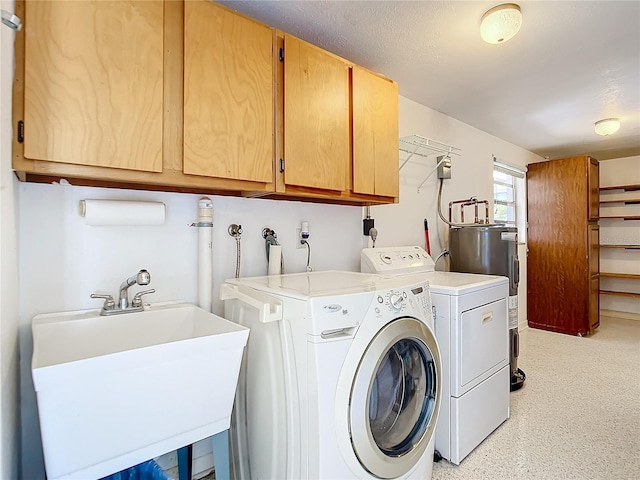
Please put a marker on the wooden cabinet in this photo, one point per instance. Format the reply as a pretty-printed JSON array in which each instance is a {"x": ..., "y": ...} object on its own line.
[
  {"x": 191, "y": 96},
  {"x": 594, "y": 189},
  {"x": 228, "y": 94},
  {"x": 316, "y": 117},
  {"x": 93, "y": 83},
  {"x": 375, "y": 134},
  {"x": 128, "y": 129},
  {"x": 338, "y": 130},
  {"x": 593, "y": 236},
  {"x": 563, "y": 244}
]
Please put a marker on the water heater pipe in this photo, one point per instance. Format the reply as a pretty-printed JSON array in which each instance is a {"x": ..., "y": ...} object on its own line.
[{"x": 205, "y": 253}]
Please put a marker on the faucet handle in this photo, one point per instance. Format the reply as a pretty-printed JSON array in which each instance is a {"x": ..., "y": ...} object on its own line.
[
  {"x": 109, "y": 302},
  {"x": 137, "y": 299}
]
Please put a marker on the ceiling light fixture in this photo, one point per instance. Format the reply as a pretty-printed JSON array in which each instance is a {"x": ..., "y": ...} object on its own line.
[
  {"x": 607, "y": 126},
  {"x": 500, "y": 23}
]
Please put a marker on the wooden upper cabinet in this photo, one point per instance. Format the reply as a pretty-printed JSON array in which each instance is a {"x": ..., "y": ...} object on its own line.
[
  {"x": 317, "y": 148},
  {"x": 594, "y": 188},
  {"x": 93, "y": 83},
  {"x": 228, "y": 94},
  {"x": 375, "y": 134}
]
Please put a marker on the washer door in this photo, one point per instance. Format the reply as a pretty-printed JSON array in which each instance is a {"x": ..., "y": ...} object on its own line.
[{"x": 395, "y": 398}]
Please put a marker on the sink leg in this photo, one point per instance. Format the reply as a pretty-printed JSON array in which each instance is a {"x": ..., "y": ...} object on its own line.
[
  {"x": 185, "y": 462},
  {"x": 220, "y": 444}
]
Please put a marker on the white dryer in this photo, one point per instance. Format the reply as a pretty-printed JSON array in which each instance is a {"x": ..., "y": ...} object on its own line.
[
  {"x": 471, "y": 327},
  {"x": 340, "y": 379}
]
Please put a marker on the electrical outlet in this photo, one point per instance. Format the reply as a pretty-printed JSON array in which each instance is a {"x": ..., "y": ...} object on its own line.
[{"x": 298, "y": 238}]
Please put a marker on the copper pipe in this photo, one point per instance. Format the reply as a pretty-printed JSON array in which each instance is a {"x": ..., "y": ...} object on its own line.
[
  {"x": 486, "y": 211},
  {"x": 456, "y": 202}
]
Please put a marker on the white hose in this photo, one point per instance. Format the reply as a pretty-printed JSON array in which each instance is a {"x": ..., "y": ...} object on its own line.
[{"x": 205, "y": 253}]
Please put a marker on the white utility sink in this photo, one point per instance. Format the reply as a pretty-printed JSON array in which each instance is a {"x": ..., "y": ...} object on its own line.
[{"x": 114, "y": 391}]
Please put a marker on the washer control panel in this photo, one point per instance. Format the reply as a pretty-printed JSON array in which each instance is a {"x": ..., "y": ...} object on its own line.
[
  {"x": 422, "y": 295},
  {"x": 393, "y": 300},
  {"x": 414, "y": 300}
]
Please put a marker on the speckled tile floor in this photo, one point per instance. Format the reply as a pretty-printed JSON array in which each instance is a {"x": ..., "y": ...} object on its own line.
[{"x": 577, "y": 416}]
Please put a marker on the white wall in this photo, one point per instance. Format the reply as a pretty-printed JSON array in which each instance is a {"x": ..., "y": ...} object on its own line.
[
  {"x": 9, "y": 404},
  {"x": 471, "y": 175},
  {"x": 63, "y": 261},
  {"x": 620, "y": 171}
]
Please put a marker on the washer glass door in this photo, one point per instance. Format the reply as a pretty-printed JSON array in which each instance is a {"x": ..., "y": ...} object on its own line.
[{"x": 395, "y": 398}]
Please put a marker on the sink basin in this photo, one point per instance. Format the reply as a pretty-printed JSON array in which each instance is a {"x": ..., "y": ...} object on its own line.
[{"x": 116, "y": 391}]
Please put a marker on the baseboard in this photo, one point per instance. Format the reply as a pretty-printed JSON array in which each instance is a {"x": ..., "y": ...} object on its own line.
[
  {"x": 625, "y": 315},
  {"x": 522, "y": 325}
]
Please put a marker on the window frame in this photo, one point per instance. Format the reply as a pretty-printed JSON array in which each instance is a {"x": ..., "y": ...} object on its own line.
[{"x": 518, "y": 186}]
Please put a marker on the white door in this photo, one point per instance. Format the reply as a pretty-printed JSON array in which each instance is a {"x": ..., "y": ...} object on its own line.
[{"x": 395, "y": 398}]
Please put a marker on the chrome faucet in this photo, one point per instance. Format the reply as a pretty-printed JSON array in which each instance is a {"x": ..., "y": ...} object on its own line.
[{"x": 143, "y": 277}]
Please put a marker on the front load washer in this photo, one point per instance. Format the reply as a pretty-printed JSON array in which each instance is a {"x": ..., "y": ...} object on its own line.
[
  {"x": 340, "y": 379},
  {"x": 471, "y": 328}
]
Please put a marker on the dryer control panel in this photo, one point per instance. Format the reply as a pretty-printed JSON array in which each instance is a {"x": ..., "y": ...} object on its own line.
[{"x": 395, "y": 260}]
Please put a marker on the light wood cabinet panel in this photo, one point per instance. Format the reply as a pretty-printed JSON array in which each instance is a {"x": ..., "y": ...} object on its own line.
[
  {"x": 228, "y": 94},
  {"x": 317, "y": 148},
  {"x": 562, "y": 261},
  {"x": 189, "y": 96},
  {"x": 375, "y": 134},
  {"x": 93, "y": 83}
]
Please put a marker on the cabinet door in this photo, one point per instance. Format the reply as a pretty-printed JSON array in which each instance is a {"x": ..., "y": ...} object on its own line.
[
  {"x": 316, "y": 117},
  {"x": 593, "y": 232},
  {"x": 594, "y": 302},
  {"x": 375, "y": 134},
  {"x": 594, "y": 188},
  {"x": 228, "y": 94},
  {"x": 94, "y": 83},
  {"x": 557, "y": 263}
]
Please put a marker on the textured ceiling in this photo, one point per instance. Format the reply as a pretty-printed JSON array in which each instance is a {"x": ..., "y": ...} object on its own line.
[{"x": 571, "y": 64}]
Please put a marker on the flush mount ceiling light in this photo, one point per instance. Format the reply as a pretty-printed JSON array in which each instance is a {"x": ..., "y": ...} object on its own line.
[
  {"x": 500, "y": 23},
  {"x": 607, "y": 126}
]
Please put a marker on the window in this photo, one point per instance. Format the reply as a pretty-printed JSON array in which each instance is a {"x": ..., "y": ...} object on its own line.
[{"x": 509, "y": 197}]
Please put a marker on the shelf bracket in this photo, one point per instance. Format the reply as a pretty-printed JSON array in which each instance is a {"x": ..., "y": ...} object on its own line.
[{"x": 416, "y": 145}]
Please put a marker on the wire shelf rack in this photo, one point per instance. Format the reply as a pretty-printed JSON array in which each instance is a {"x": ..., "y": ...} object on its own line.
[{"x": 416, "y": 145}]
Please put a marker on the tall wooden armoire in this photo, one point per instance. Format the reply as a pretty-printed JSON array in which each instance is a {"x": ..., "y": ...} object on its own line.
[{"x": 563, "y": 239}]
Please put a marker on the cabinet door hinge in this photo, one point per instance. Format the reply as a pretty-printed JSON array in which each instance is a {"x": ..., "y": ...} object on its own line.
[
  {"x": 281, "y": 55},
  {"x": 20, "y": 131},
  {"x": 281, "y": 167}
]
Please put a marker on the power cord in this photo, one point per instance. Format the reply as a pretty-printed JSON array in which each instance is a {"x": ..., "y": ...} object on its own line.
[
  {"x": 373, "y": 233},
  {"x": 304, "y": 242}
]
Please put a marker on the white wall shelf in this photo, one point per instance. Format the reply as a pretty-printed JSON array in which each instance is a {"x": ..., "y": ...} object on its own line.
[{"x": 416, "y": 145}]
